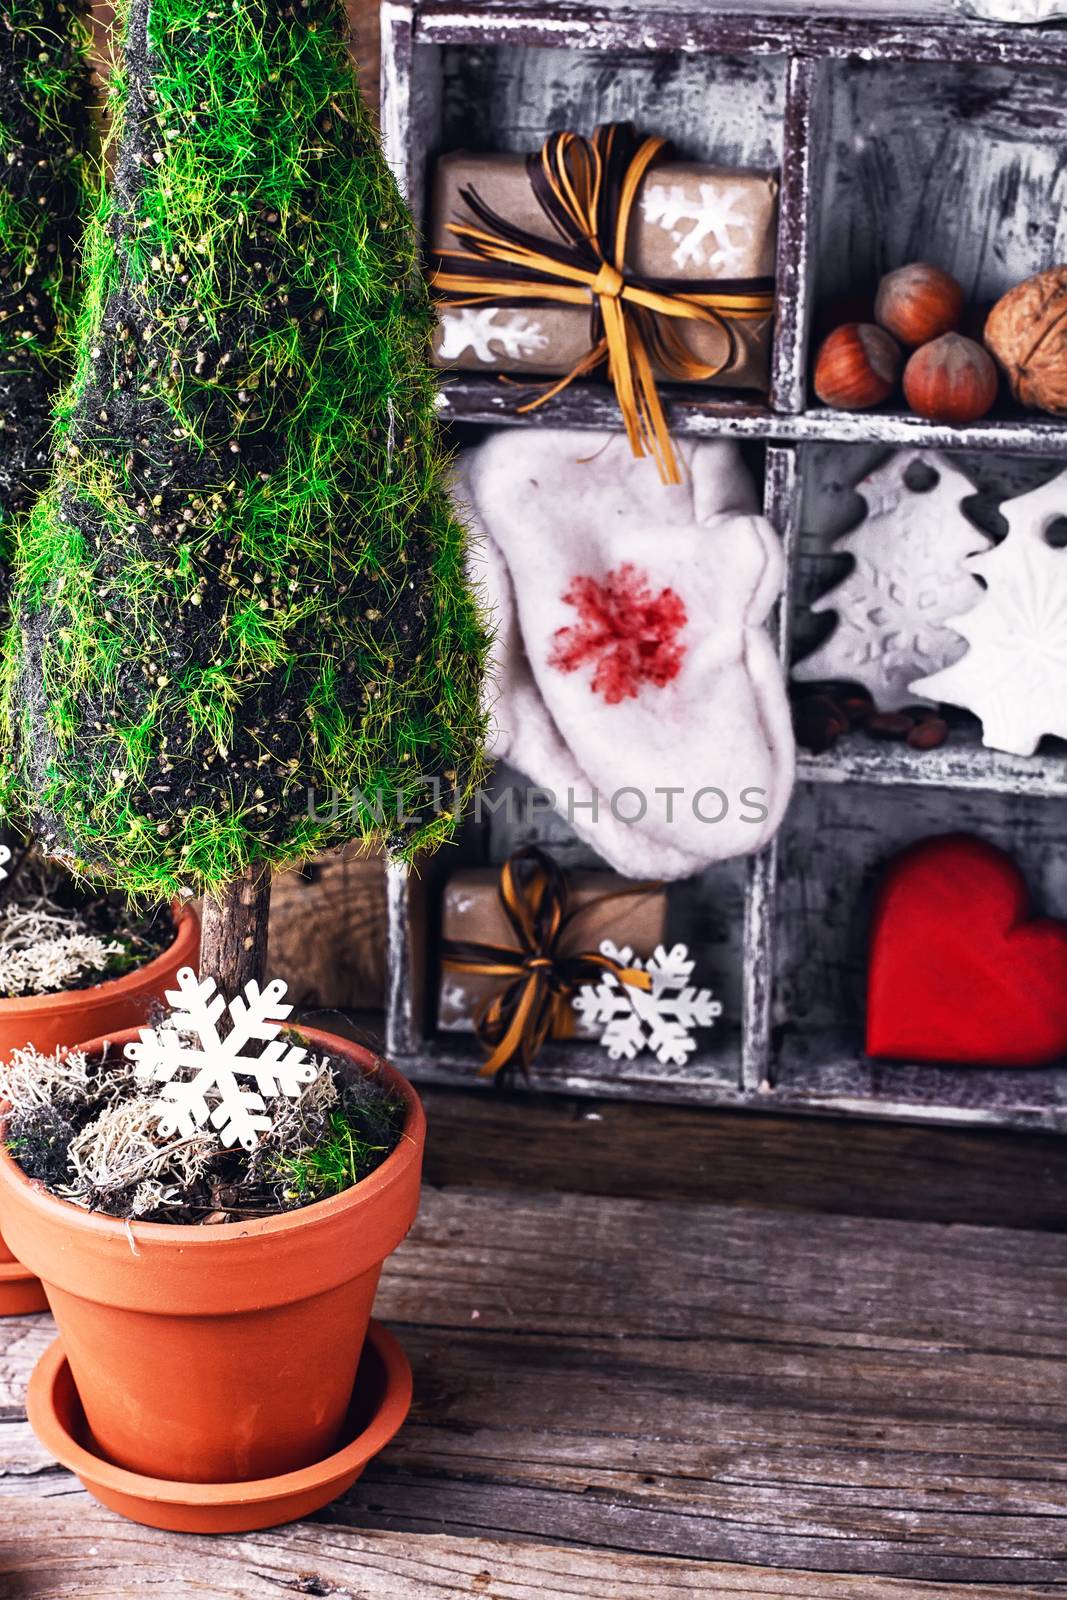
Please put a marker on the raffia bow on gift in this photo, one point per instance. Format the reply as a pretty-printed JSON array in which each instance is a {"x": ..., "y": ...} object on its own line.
[
  {"x": 587, "y": 189},
  {"x": 539, "y": 978}
]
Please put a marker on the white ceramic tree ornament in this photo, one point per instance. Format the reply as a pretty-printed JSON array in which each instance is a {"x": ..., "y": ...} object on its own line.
[
  {"x": 910, "y": 576},
  {"x": 661, "y": 1019},
  {"x": 200, "y": 1070},
  {"x": 710, "y": 225},
  {"x": 1014, "y": 676},
  {"x": 1027, "y": 11}
]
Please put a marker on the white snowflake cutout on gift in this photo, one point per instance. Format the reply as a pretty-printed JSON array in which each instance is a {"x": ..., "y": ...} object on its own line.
[
  {"x": 5, "y": 857},
  {"x": 661, "y": 1019},
  {"x": 200, "y": 1070},
  {"x": 720, "y": 225},
  {"x": 492, "y": 333}
]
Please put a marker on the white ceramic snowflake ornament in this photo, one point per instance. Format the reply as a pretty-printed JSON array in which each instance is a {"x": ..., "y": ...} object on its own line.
[
  {"x": 1014, "y": 676},
  {"x": 200, "y": 1070},
  {"x": 910, "y": 577},
  {"x": 5, "y": 857},
  {"x": 661, "y": 1019}
]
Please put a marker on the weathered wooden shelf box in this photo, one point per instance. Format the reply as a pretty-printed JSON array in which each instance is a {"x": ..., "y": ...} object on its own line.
[{"x": 900, "y": 131}]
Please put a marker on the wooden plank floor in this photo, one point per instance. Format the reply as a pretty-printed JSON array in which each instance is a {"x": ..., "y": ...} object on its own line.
[{"x": 642, "y": 1397}]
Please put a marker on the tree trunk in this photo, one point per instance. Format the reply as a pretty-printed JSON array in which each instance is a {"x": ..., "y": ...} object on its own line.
[{"x": 233, "y": 942}]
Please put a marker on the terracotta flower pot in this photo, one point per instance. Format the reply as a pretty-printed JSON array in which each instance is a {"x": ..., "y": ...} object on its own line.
[
  {"x": 222, "y": 1353},
  {"x": 49, "y": 1021}
]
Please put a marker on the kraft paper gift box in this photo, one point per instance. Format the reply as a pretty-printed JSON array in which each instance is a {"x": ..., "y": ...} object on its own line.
[
  {"x": 471, "y": 913},
  {"x": 691, "y": 222}
]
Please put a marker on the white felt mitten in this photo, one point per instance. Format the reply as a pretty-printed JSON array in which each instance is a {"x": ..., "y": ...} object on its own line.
[{"x": 631, "y": 656}]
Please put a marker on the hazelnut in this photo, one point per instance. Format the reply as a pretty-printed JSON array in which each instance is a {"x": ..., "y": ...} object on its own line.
[
  {"x": 858, "y": 366},
  {"x": 918, "y": 303},
  {"x": 951, "y": 380},
  {"x": 1027, "y": 332}
]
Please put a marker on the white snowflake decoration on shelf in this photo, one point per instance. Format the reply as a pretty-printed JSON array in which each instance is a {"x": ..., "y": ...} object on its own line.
[
  {"x": 189, "y": 1042},
  {"x": 5, "y": 857},
  {"x": 661, "y": 1019}
]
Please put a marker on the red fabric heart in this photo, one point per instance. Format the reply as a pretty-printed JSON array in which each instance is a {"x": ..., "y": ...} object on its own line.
[{"x": 958, "y": 969}]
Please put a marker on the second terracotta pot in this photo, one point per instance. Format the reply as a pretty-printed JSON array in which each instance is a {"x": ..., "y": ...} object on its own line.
[
  {"x": 227, "y": 1352},
  {"x": 51, "y": 1021}
]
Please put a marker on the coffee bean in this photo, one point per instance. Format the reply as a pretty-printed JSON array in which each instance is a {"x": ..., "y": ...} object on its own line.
[
  {"x": 890, "y": 725},
  {"x": 929, "y": 735},
  {"x": 857, "y": 708}
]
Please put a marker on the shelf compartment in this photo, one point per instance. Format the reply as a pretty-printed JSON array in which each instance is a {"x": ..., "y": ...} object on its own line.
[
  {"x": 955, "y": 163},
  {"x": 829, "y": 506},
  {"x": 831, "y": 856},
  {"x": 706, "y": 913},
  {"x": 478, "y": 91},
  {"x": 709, "y": 1077}
]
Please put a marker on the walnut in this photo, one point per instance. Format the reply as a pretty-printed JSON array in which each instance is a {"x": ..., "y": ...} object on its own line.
[{"x": 1027, "y": 332}]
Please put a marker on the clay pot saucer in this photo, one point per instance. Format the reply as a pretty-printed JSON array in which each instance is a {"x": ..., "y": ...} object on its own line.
[
  {"x": 20, "y": 1291},
  {"x": 380, "y": 1403}
]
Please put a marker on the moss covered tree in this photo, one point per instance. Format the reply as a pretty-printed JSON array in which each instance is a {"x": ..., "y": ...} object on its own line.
[
  {"x": 244, "y": 631},
  {"x": 45, "y": 136}
]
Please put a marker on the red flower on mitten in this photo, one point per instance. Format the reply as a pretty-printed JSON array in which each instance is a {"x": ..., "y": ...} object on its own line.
[{"x": 629, "y": 634}]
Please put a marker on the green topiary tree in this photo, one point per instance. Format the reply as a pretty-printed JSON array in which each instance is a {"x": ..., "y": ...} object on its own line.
[
  {"x": 45, "y": 138},
  {"x": 244, "y": 589}
]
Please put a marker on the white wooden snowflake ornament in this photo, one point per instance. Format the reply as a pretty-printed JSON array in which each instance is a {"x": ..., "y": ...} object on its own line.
[
  {"x": 909, "y": 578},
  {"x": 1014, "y": 676},
  {"x": 5, "y": 857},
  {"x": 661, "y": 1019},
  {"x": 200, "y": 1070}
]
